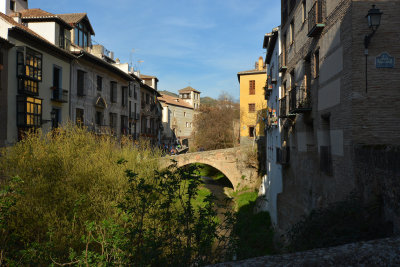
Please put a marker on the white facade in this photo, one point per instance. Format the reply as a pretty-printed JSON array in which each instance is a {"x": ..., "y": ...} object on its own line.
[
  {"x": 272, "y": 182},
  {"x": 53, "y": 59},
  {"x": 18, "y": 5}
]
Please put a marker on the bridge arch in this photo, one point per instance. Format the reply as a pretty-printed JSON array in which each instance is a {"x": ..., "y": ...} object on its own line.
[
  {"x": 226, "y": 177},
  {"x": 228, "y": 161}
]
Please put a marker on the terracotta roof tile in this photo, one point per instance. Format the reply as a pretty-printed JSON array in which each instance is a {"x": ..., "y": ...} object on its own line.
[
  {"x": 75, "y": 18},
  {"x": 35, "y": 13},
  {"x": 252, "y": 72},
  {"x": 174, "y": 101},
  {"x": 39, "y": 14},
  {"x": 22, "y": 27},
  {"x": 188, "y": 89}
]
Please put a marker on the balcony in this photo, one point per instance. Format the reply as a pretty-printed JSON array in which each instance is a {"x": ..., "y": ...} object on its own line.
[
  {"x": 59, "y": 95},
  {"x": 282, "y": 62},
  {"x": 299, "y": 100},
  {"x": 315, "y": 19},
  {"x": 282, "y": 108}
]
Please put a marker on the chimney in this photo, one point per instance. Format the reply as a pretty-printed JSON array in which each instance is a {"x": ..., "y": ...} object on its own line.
[
  {"x": 260, "y": 63},
  {"x": 17, "y": 17},
  {"x": 117, "y": 61},
  {"x": 112, "y": 55}
]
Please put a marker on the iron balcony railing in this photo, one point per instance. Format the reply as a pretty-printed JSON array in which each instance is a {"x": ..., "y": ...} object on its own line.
[
  {"x": 299, "y": 100},
  {"x": 59, "y": 95},
  {"x": 316, "y": 19},
  {"x": 282, "y": 107}
]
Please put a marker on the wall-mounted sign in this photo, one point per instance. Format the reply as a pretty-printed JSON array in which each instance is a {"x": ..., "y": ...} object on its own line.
[{"x": 384, "y": 60}]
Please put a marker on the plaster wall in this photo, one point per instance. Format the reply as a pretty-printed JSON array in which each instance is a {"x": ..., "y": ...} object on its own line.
[
  {"x": 250, "y": 118},
  {"x": 87, "y": 102},
  {"x": 45, "y": 29},
  {"x": 49, "y": 61},
  {"x": 271, "y": 184}
]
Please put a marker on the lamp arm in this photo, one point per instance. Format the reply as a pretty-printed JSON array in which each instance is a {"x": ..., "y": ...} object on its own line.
[{"x": 367, "y": 39}]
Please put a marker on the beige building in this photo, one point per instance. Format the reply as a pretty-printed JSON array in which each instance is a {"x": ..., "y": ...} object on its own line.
[
  {"x": 339, "y": 106},
  {"x": 190, "y": 96},
  {"x": 37, "y": 87},
  {"x": 177, "y": 119}
]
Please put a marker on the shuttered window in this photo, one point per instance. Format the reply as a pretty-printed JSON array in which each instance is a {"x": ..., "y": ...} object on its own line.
[
  {"x": 252, "y": 107},
  {"x": 252, "y": 87}
]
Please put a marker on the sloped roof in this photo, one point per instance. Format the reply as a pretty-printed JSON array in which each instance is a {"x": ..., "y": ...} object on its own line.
[
  {"x": 75, "y": 18},
  {"x": 146, "y": 77},
  {"x": 22, "y": 28},
  {"x": 170, "y": 100},
  {"x": 41, "y": 15},
  {"x": 188, "y": 90}
]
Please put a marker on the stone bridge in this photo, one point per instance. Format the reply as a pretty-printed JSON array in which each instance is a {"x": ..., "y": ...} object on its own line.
[{"x": 238, "y": 164}]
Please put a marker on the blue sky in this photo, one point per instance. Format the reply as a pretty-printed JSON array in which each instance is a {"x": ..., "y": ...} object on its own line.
[{"x": 201, "y": 43}]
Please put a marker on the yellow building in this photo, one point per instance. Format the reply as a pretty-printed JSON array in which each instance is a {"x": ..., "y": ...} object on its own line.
[{"x": 252, "y": 102}]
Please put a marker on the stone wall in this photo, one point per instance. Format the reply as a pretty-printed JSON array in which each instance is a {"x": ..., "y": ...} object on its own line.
[
  {"x": 384, "y": 252},
  {"x": 377, "y": 173}
]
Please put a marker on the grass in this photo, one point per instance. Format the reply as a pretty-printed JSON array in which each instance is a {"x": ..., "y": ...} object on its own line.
[{"x": 209, "y": 171}]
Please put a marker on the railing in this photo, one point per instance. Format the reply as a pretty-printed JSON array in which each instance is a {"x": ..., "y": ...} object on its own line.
[
  {"x": 64, "y": 43},
  {"x": 282, "y": 107},
  {"x": 282, "y": 62},
  {"x": 315, "y": 19},
  {"x": 299, "y": 100},
  {"x": 59, "y": 95}
]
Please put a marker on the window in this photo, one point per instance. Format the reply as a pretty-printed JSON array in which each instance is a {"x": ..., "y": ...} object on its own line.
[
  {"x": 99, "y": 83},
  {"x": 99, "y": 118},
  {"x": 12, "y": 5},
  {"x": 57, "y": 91},
  {"x": 113, "y": 121},
  {"x": 29, "y": 111},
  {"x": 187, "y": 125},
  {"x": 134, "y": 92},
  {"x": 291, "y": 33},
  {"x": 184, "y": 114},
  {"x": 252, "y": 108},
  {"x": 251, "y": 131},
  {"x": 147, "y": 98},
  {"x": 82, "y": 35},
  {"x": 113, "y": 92},
  {"x": 56, "y": 121},
  {"x": 80, "y": 83},
  {"x": 124, "y": 124},
  {"x": 304, "y": 10},
  {"x": 79, "y": 120},
  {"x": 316, "y": 63},
  {"x": 252, "y": 87},
  {"x": 124, "y": 90},
  {"x": 29, "y": 70}
]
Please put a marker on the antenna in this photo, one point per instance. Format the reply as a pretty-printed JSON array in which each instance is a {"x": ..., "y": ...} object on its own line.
[{"x": 131, "y": 56}]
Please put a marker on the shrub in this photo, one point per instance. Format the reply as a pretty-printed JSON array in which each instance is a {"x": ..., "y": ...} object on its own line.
[{"x": 68, "y": 177}]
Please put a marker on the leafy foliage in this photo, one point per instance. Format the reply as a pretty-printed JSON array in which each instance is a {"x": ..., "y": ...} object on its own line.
[
  {"x": 215, "y": 125},
  {"x": 89, "y": 200}
]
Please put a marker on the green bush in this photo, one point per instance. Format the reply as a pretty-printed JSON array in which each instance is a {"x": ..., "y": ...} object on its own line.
[
  {"x": 67, "y": 177},
  {"x": 74, "y": 198}
]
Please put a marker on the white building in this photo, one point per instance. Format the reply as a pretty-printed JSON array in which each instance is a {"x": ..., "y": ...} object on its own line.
[
  {"x": 272, "y": 182},
  {"x": 10, "y": 6},
  {"x": 190, "y": 96}
]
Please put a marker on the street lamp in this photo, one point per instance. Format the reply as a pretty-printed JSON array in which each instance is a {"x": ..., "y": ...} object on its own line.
[{"x": 374, "y": 20}]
